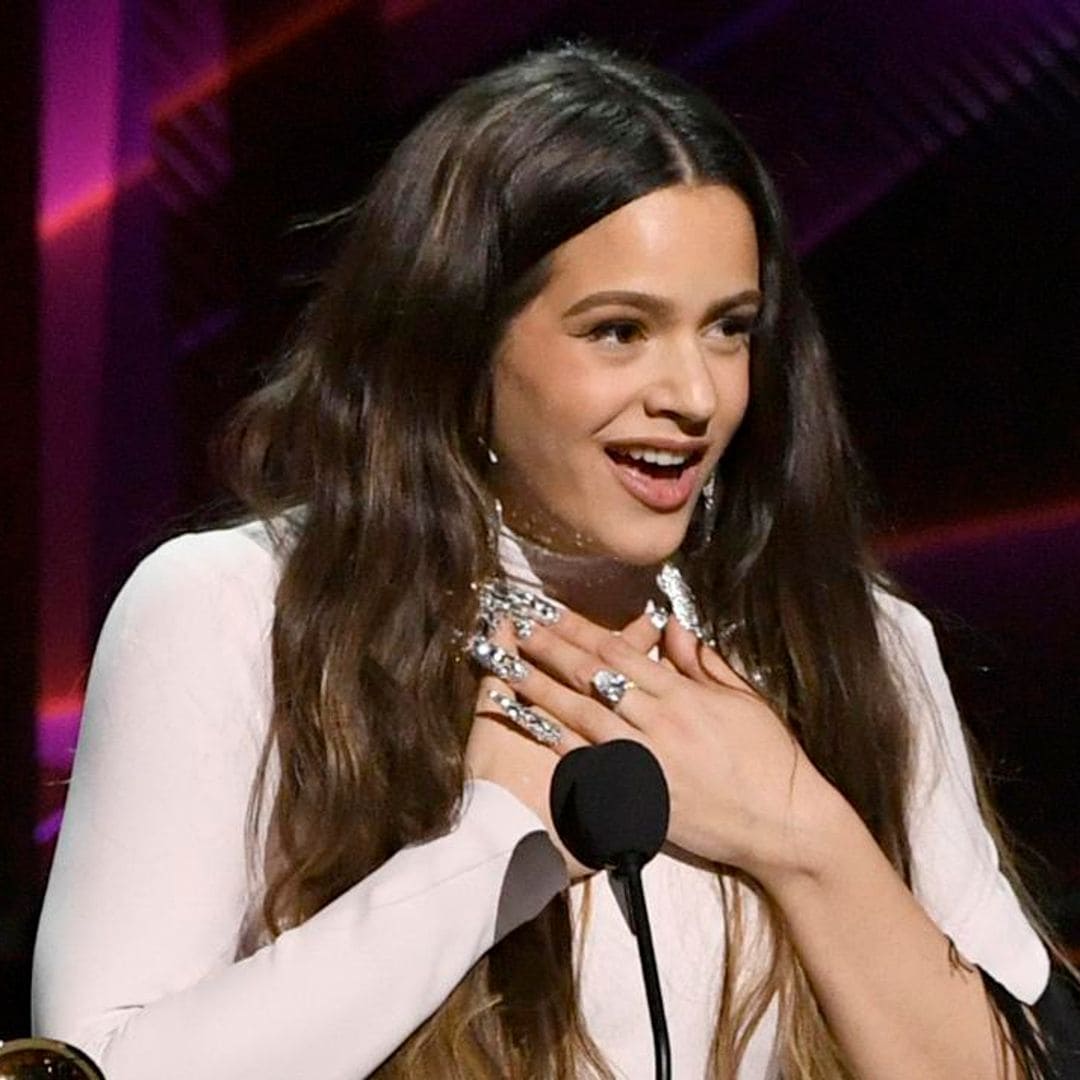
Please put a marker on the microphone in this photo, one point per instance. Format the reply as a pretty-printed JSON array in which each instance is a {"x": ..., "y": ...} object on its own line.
[{"x": 610, "y": 807}]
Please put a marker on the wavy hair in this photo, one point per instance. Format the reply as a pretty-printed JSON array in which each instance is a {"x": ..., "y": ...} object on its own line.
[{"x": 366, "y": 444}]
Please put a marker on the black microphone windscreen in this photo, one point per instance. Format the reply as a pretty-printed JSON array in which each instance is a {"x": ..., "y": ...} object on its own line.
[{"x": 609, "y": 801}]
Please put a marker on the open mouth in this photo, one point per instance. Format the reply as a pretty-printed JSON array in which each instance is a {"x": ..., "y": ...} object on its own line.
[
  {"x": 657, "y": 464},
  {"x": 661, "y": 479}
]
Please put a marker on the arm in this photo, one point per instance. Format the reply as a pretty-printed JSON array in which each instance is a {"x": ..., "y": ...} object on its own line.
[
  {"x": 895, "y": 1001},
  {"x": 136, "y": 959},
  {"x": 877, "y": 955}
]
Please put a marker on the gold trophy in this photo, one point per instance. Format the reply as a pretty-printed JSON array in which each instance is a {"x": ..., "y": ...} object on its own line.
[{"x": 45, "y": 1059}]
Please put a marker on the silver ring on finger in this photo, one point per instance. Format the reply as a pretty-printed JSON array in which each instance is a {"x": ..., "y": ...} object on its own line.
[{"x": 612, "y": 686}]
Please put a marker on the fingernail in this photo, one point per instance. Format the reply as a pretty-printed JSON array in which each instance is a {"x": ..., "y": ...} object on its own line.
[
  {"x": 494, "y": 658},
  {"x": 658, "y": 614},
  {"x": 530, "y": 605},
  {"x": 542, "y": 730},
  {"x": 498, "y": 598},
  {"x": 673, "y": 585}
]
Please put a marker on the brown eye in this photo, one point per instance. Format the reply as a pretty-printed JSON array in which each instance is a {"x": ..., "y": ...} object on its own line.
[
  {"x": 616, "y": 332},
  {"x": 733, "y": 331},
  {"x": 737, "y": 325}
]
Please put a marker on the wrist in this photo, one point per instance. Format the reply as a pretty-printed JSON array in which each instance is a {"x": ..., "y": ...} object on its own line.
[{"x": 821, "y": 831}]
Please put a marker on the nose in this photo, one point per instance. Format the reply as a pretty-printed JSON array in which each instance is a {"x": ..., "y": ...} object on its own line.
[{"x": 683, "y": 386}]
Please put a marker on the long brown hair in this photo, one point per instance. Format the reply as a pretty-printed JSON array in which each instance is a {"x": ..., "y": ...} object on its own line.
[{"x": 364, "y": 453}]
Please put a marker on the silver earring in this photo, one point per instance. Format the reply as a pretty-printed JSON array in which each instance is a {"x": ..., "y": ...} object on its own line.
[
  {"x": 496, "y": 525},
  {"x": 710, "y": 505},
  {"x": 708, "y": 495},
  {"x": 493, "y": 458}
]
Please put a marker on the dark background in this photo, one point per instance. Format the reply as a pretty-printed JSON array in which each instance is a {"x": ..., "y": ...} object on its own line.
[{"x": 929, "y": 158}]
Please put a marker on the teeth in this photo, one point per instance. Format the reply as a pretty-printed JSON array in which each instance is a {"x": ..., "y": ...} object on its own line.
[{"x": 658, "y": 457}]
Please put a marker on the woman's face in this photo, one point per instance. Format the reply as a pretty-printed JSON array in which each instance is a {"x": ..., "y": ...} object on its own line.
[{"x": 618, "y": 387}]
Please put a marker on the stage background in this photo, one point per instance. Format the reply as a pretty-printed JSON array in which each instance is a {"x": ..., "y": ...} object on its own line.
[{"x": 159, "y": 157}]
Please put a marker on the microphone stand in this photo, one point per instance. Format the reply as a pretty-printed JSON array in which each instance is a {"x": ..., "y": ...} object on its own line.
[
  {"x": 628, "y": 872},
  {"x": 610, "y": 806}
]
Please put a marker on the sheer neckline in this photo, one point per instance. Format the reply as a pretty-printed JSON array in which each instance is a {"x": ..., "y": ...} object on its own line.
[{"x": 606, "y": 590}]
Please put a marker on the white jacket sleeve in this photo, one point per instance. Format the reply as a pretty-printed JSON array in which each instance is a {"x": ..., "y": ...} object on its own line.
[
  {"x": 956, "y": 873},
  {"x": 136, "y": 958}
]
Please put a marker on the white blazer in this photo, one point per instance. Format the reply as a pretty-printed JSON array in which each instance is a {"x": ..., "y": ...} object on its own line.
[{"x": 139, "y": 958}]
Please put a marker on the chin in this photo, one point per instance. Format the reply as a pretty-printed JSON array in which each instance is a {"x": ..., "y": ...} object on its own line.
[
  {"x": 643, "y": 546},
  {"x": 634, "y": 539}
]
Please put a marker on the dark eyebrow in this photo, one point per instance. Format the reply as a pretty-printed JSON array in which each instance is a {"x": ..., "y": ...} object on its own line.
[{"x": 655, "y": 304}]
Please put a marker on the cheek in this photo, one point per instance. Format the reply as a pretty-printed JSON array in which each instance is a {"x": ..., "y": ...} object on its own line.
[
  {"x": 551, "y": 405},
  {"x": 529, "y": 427},
  {"x": 519, "y": 412},
  {"x": 733, "y": 393}
]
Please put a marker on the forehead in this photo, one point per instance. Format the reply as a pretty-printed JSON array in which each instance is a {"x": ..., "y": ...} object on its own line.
[{"x": 671, "y": 239}]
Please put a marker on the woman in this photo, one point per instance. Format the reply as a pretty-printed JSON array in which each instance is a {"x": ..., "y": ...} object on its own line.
[{"x": 564, "y": 355}]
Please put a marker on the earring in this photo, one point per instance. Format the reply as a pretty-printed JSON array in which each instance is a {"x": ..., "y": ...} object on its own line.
[
  {"x": 708, "y": 495},
  {"x": 710, "y": 503},
  {"x": 489, "y": 453}
]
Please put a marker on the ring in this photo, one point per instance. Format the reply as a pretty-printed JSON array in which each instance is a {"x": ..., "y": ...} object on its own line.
[{"x": 612, "y": 686}]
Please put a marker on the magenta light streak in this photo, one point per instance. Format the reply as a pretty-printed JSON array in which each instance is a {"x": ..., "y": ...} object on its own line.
[
  {"x": 81, "y": 84},
  {"x": 74, "y": 282},
  {"x": 46, "y": 830},
  {"x": 56, "y": 737},
  {"x": 102, "y": 72},
  {"x": 81, "y": 88}
]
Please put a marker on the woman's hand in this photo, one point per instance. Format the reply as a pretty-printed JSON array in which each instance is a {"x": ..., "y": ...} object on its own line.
[
  {"x": 502, "y": 753},
  {"x": 742, "y": 790}
]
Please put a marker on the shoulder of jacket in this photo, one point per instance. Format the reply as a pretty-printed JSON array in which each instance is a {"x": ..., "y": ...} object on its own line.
[
  {"x": 900, "y": 616},
  {"x": 234, "y": 569},
  {"x": 239, "y": 550}
]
